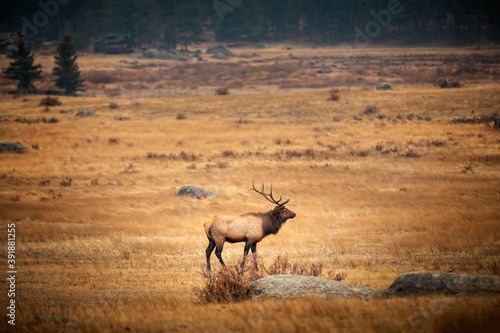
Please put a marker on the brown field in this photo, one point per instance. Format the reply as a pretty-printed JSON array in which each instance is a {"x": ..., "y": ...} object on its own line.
[{"x": 379, "y": 194}]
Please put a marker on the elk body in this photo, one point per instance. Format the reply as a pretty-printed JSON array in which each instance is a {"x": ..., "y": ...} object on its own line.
[{"x": 250, "y": 228}]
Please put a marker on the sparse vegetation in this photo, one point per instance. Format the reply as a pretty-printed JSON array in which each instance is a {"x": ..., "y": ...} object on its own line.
[
  {"x": 37, "y": 120},
  {"x": 50, "y": 101},
  {"x": 334, "y": 95},
  {"x": 365, "y": 210},
  {"x": 222, "y": 91}
]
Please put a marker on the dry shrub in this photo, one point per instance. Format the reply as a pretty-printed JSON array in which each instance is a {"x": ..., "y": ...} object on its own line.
[
  {"x": 99, "y": 77},
  {"x": 160, "y": 85},
  {"x": 113, "y": 105},
  {"x": 410, "y": 154},
  {"x": 334, "y": 95},
  {"x": 128, "y": 85},
  {"x": 282, "y": 265},
  {"x": 50, "y": 101},
  {"x": 112, "y": 92},
  {"x": 286, "y": 67},
  {"x": 39, "y": 120},
  {"x": 370, "y": 109},
  {"x": 222, "y": 91},
  {"x": 182, "y": 156},
  {"x": 232, "y": 284},
  {"x": 225, "y": 286}
]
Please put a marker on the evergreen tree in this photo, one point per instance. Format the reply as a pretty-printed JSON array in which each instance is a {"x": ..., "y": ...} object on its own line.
[
  {"x": 22, "y": 68},
  {"x": 183, "y": 23},
  {"x": 66, "y": 68}
]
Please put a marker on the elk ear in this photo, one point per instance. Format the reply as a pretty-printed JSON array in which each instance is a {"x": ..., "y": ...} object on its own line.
[{"x": 276, "y": 211}]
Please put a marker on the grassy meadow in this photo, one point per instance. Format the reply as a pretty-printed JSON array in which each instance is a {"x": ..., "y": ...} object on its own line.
[{"x": 382, "y": 182}]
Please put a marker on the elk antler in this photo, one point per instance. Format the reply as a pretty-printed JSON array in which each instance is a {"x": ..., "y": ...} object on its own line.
[{"x": 269, "y": 196}]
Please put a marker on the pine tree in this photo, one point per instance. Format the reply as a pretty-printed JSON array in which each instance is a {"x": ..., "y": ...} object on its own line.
[
  {"x": 66, "y": 68},
  {"x": 22, "y": 68}
]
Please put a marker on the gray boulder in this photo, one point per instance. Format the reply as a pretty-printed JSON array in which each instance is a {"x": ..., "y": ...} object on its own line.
[
  {"x": 384, "y": 86},
  {"x": 79, "y": 93},
  {"x": 417, "y": 283},
  {"x": 151, "y": 53},
  {"x": 221, "y": 48},
  {"x": 220, "y": 56},
  {"x": 292, "y": 286},
  {"x": 85, "y": 113},
  {"x": 13, "y": 147},
  {"x": 197, "y": 192}
]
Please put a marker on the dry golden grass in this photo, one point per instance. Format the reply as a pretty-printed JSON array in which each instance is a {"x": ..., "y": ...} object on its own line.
[{"x": 119, "y": 250}]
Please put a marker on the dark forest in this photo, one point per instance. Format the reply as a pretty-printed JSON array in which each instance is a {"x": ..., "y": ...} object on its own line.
[{"x": 173, "y": 24}]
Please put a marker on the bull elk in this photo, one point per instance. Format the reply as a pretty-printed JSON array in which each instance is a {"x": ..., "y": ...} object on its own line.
[{"x": 250, "y": 228}]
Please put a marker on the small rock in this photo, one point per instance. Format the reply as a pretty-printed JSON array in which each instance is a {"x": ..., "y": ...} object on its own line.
[
  {"x": 79, "y": 93},
  {"x": 220, "y": 55},
  {"x": 197, "y": 192},
  {"x": 221, "y": 48},
  {"x": 261, "y": 46},
  {"x": 384, "y": 86},
  {"x": 85, "y": 113}
]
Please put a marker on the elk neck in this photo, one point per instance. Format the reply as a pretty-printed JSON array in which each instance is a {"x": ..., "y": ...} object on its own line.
[{"x": 271, "y": 223}]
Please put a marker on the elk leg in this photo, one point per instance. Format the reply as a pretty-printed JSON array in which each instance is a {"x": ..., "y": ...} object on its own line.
[
  {"x": 254, "y": 252},
  {"x": 208, "y": 251},
  {"x": 218, "y": 253},
  {"x": 248, "y": 244}
]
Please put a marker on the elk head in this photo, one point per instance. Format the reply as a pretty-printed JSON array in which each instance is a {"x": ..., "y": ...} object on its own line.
[{"x": 280, "y": 212}]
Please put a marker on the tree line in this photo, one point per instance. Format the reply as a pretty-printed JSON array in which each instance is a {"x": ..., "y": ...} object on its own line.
[{"x": 178, "y": 23}]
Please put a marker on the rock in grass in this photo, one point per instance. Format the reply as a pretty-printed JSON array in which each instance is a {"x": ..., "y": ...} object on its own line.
[
  {"x": 420, "y": 283},
  {"x": 293, "y": 286},
  {"x": 85, "y": 113},
  {"x": 384, "y": 86},
  {"x": 79, "y": 93},
  {"x": 13, "y": 147},
  {"x": 197, "y": 192},
  {"x": 220, "y": 49}
]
